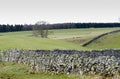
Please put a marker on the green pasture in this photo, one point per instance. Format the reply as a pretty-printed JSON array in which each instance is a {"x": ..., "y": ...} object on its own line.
[
  {"x": 111, "y": 41},
  {"x": 57, "y": 39},
  {"x": 24, "y": 40}
]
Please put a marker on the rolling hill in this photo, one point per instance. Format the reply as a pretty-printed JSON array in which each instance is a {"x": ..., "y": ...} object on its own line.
[
  {"x": 110, "y": 41},
  {"x": 57, "y": 39}
]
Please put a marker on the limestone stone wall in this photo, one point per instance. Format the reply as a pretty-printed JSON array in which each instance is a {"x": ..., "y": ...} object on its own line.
[{"x": 66, "y": 61}]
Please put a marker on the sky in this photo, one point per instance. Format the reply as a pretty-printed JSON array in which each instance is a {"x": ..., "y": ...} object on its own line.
[{"x": 58, "y": 11}]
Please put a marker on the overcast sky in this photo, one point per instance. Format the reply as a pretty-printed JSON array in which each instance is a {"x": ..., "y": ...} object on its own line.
[{"x": 58, "y": 11}]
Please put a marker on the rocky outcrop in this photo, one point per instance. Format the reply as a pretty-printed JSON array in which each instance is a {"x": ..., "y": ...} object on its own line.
[
  {"x": 99, "y": 36},
  {"x": 66, "y": 61}
]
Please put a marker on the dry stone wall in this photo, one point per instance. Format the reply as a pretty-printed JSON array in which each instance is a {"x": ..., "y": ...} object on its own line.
[
  {"x": 99, "y": 36},
  {"x": 66, "y": 61}
]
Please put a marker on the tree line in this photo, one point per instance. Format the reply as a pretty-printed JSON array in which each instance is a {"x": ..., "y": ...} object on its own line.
[
  {"x": 11, "y": 28},
  {"x": 84, "y": 25},
  {"x": 25, "y": 27}
]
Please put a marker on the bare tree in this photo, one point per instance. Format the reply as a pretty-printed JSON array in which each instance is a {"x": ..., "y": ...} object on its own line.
[{"x": 41, "y": 29}]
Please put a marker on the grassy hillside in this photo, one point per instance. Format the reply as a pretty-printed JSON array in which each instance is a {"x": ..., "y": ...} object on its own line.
[
  {"x": 24, "y": 40},
  {"x": 109, "y": 41},
  {"x": 78, "y": 36},
  {"x": 62, "y": 39},
  {"x": 57, "y": 39}
]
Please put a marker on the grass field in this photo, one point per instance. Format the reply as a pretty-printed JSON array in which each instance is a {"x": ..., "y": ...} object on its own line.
[
  {"x": 111, "y": 41},
  {"x": 57, "y": 39}
]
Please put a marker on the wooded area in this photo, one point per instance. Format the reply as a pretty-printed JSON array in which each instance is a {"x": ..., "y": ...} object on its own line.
[{"x": 12, "y": 28}]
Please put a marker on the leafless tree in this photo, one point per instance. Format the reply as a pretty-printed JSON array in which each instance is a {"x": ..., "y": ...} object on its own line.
[{"x": 41, "y": 29}]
